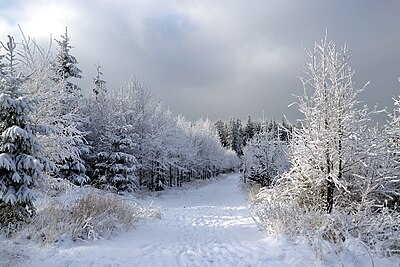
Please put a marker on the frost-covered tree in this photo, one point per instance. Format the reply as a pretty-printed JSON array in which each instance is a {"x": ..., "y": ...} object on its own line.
[
  {"x": 330, "y": 162},
  {"x": 100, "y": 108},
  {"x": 111, "y": 139},
  {"x": 248, "y": 131},
  {"x": 56, "y": 107},
  {"x": 210, "y": 158},
  {"x": 169, "y": 150},
  {"x": 337, "y": 188},
  {"x": 393, "y": 144},
  {"x": 235, "y": 136},
  {"x": 99, "y": 88},
  {"x": 221, "y": 129},
  {"x": 71, "y": 121},
  {"x": 116, "y": 169},
  {"x": 285, "y": 130},
  {"x": 20, "y": 167},
  {"x": 264, "y": 158},
  {"x": 65, "y": 65},
  {"x": 144, "y": 112}
]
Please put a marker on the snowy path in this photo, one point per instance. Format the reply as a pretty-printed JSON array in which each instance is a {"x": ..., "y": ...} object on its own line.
[{"x": 207, "y": 226}]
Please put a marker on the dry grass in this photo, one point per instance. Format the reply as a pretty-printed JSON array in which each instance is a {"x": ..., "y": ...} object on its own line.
[
  {"x": 91, "y": 217},
  {"x": 12, "y": 255},
  {"x": 344, "y": 228},
  {"x": 252, "y": 190},
  {"x": 95, "y": 215}
]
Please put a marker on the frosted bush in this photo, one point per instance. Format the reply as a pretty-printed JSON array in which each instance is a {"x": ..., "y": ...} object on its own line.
[
  {"x": 336, "y": 193},
  {"x": 376, "y": 231},
  {"x": 91, "y": 217}
]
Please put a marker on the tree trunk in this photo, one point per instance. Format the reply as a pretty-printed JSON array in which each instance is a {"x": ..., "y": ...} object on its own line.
[
  {"x": 329, "y": 196},
  {"x": 170, "y": 176}
]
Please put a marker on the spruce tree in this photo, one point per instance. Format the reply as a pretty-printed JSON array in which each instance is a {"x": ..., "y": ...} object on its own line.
[
  {"x": 248, "y": 131},
  {"x": 112, "y": 165},
  {"x": 99, "y": 88},
  {"x": 20, "y": 167},
  {"x": 65, "y": 64},
  {"x": 116, "y": 169},
  {"x": 235, "y": 136},
  {"x": 72, "y": 168},
  {"x": 221, "y": 130},
  {"x": 239, "y": 138}
]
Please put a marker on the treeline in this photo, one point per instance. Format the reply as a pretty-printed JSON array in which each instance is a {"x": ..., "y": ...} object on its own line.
[
  {"x": 262, "y": 146},
  {"x": 234, "y": 136},
  {"x": 115, "y": 139}
]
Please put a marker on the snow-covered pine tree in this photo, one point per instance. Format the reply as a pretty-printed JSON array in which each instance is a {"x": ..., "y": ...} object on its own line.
[
  {"x": 248, "y": 131},
  {"x": 141, "y": 107},
  {"x": 113, "y": 166},
  {"x": 73, "y": 167},
  {"x": 99, "y": 88},
  {"x": 239, "y": 140},
  {"x": 116, "y": 169},
  {"x": 170, "y": 151},
  {"x": 147, "y": 116},
  {"x": 54, "y": 105},
  {"x": 234, "y": 136},
  {"x": 98, "y": 109},
  {"x": 285, "y": 130},
  {"x": 65, "y": 65},
  {"x": 20, "y": 167},
  {"x": 221, "y": 129}
]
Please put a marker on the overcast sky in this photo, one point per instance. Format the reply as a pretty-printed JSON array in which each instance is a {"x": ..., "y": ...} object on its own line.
[{"x": 214, "y": 58}]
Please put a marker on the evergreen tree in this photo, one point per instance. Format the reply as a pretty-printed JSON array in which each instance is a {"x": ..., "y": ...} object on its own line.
[
  {"x": 285, "y": 130},
  {"x": 116, "y": 169},
  {"x": 20, "y": 167},
  {"x": 235, "y": 136},
  {"x": 146, "y": 116},
  {"x": 65, "y": 65},
  {"x": 257, "y": 127},
  {"x": 239, "y": 138},
  {"x": 72, "y": 167},
  {"x": 248, "y": 131},
  {"x": 99, "y": 88},
  {"x": 221, "y": 129}
]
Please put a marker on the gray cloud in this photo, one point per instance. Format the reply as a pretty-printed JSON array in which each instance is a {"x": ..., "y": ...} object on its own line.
[{"x": 219, "y": 58}]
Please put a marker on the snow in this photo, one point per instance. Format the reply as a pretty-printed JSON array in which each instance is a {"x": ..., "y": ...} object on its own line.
[{"x": 204, "y": 225}]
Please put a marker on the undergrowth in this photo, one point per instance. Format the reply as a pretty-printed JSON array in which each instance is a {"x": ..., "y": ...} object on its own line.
[
  {"x": 91, "y": 217},
  {"x": 361, "y": 231}
]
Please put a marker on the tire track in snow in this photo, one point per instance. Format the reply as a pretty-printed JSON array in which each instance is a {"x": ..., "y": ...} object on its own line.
[{"x": 212, "y": 227}]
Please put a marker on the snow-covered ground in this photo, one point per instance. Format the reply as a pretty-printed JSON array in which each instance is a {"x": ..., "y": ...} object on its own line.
[{"x": 207, "y": 225}]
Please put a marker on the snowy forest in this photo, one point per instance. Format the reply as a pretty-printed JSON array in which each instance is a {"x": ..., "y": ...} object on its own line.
[
  {"x": 118, "y": 140},
  {"x": 331, "y": 178}
]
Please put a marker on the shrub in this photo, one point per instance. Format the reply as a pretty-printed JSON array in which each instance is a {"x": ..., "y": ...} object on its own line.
[
  {"x": 91, "y": 217},
  {"x": 376, "y": 231}
]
